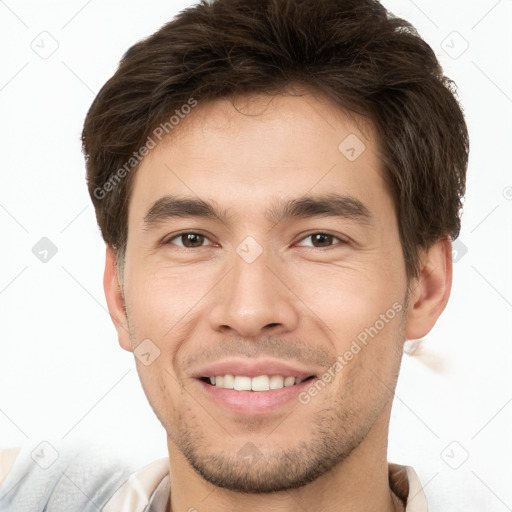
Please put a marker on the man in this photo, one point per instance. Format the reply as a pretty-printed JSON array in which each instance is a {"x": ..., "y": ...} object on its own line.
[{"x": 277, "y": 183}]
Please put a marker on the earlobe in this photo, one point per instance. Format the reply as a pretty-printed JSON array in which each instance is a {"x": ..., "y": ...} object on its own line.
[
  {"x": 115, "y": 300},
  {"x": 430, "y": 291}
]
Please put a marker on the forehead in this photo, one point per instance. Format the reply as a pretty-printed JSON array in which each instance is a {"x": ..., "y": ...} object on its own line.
[{"x": 245, "y": 153}]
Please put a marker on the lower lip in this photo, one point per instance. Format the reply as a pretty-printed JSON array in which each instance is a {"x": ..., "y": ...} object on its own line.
[{"x": 254, "y": 402}]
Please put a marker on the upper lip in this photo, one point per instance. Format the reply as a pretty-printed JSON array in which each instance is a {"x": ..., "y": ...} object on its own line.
[{"x": 253, "y": 368}]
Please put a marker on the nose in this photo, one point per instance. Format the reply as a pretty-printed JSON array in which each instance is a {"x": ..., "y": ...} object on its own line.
[{"x": 254, "y": 300}]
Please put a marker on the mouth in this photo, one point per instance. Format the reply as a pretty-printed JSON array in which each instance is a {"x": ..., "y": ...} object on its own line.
[
  {"x": 260, "y": 399},
  {"x": 254, "y": 387}
]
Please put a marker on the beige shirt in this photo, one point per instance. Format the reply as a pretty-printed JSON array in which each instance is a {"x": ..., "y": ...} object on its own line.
[
  {"x": 147, "y": 490},
  {"x": 7, "y": 458}
]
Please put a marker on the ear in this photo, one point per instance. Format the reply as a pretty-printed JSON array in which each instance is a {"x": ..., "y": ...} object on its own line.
[
  {"x": 115, "y": 301},
  {"x": 430, "y": 290}
]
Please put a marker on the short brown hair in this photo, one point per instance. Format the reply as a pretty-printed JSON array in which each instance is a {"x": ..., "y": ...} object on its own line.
[{"x": 354, "y": 51}]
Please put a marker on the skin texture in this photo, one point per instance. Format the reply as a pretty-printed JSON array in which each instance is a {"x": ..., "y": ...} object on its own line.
[{"x": 303, "y": 300}]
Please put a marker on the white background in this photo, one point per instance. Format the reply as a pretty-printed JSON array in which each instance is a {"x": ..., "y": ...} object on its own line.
[{"x": 62, "y": 375}]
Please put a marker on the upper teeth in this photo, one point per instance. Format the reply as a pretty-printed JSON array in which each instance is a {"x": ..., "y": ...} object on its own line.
[{"x": 260, "y": 383}]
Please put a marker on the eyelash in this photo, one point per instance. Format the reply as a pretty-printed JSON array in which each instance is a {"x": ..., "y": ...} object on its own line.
[{"x": 178, "y": 235}]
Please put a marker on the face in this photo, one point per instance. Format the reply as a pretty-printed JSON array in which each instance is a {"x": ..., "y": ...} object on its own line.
[{"x": 263, "y": 251}]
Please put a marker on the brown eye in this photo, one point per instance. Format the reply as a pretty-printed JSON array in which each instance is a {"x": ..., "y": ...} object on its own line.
[
  {"x": 189, "y": 240},
  {"x": 320, "y": 240},
  {"x": 192, "y": 240}
]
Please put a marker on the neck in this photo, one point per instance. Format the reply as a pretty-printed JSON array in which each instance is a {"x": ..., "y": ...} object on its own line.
[{"x": 359, "y": 482}]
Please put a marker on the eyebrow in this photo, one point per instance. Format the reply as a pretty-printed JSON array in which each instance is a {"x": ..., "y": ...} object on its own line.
[{"x": 330, "y": 205}]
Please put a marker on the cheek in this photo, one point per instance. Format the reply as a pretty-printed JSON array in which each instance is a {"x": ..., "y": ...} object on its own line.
[
  {"x": 162, "y": 388},
  {"x": 348, "y": 299},
  {"x": 362, "y": 306},
  {"x": 369, "y": 362},
  {"x": 375, "y": 349},
  {"x": 161, "y": 299}
]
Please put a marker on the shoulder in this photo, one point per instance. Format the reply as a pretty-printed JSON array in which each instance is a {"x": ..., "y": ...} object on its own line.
[
  {"x": 146, "y": 489},
  {"x": 49, "y": 477}
]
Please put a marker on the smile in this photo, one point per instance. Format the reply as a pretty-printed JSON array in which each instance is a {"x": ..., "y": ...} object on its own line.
[{"x": 259, "y": 383}]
